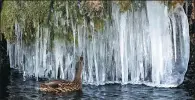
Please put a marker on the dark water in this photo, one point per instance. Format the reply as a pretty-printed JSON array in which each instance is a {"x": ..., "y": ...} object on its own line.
[{"x": 14, "y": 88}]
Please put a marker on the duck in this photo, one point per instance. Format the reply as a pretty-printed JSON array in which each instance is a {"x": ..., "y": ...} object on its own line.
[{"x": 62, "y": 86}]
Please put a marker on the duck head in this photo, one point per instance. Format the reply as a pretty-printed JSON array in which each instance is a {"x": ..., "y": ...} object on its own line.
[{"x": 78, "y": 71}]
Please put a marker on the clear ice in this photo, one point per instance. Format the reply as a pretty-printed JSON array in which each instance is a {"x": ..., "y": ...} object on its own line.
[{"x": 147, "y": 46}]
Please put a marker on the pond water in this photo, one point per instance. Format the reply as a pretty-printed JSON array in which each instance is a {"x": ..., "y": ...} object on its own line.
[{"x": 14, "y": 88}]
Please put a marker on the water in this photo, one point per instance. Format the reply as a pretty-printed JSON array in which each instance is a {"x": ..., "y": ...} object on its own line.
[
  {"x": 15, "y": 88},
  {"x": 149, "y": 45}
]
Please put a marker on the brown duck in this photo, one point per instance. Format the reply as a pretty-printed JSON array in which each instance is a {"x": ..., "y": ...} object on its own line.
[{"x": 60, "y": 86}]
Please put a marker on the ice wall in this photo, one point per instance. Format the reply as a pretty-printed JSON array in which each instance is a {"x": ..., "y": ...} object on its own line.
[{"x": 145, "y": 46}]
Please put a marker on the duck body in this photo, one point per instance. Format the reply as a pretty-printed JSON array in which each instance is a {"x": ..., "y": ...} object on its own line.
[{"x": 60, "y": 86}]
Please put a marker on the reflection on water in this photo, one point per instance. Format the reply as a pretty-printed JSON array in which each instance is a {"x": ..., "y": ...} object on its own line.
[{"x": 17, "y": 89}]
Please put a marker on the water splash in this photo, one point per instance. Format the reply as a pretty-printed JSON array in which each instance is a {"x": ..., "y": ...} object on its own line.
[{"x": 145, "y": 46}]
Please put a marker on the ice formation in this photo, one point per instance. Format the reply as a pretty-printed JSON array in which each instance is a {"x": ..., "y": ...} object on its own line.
[{"x": 147, "y": 46}]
